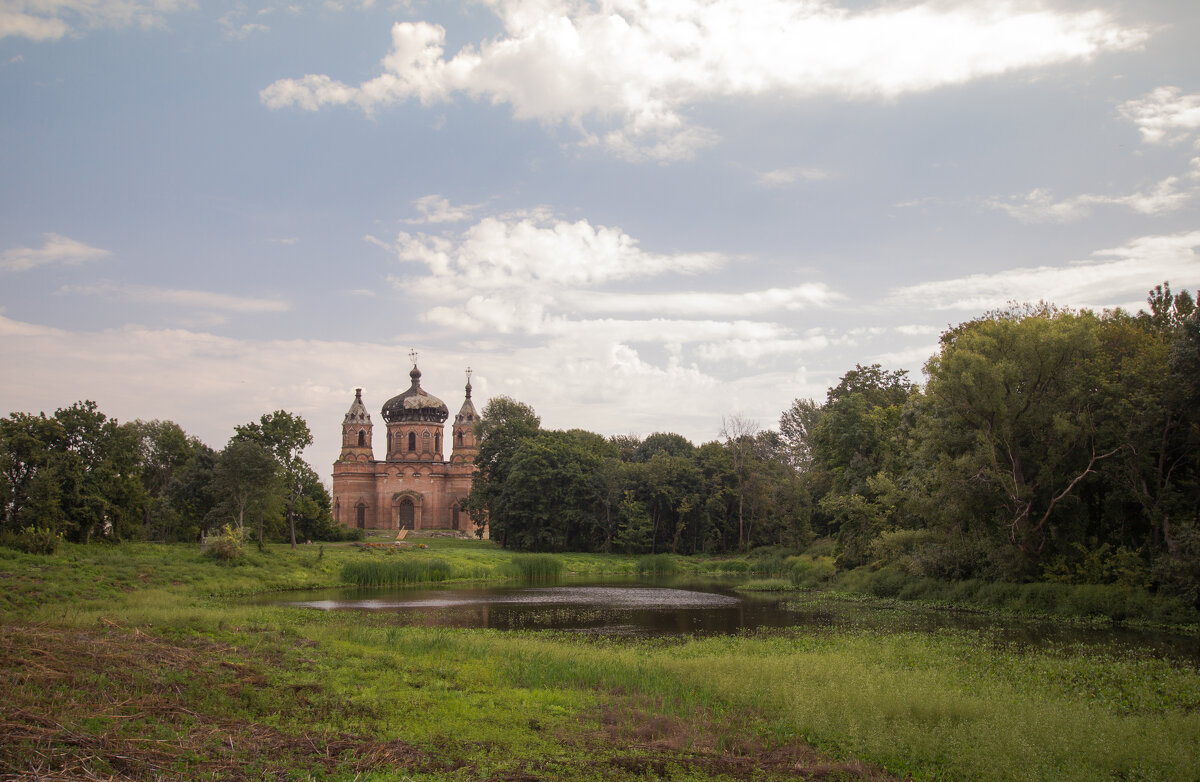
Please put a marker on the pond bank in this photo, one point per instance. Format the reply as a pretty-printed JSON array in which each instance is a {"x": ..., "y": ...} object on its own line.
[{"x": 119, "y": 661}]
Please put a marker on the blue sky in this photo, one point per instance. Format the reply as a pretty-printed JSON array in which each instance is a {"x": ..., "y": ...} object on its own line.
[{"x": 634, "y": 216}]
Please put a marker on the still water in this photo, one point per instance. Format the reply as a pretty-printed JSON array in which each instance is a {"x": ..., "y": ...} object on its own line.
[{"x": 679, "y": 606}]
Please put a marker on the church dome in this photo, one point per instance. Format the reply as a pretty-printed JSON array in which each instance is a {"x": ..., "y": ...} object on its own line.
[{"x": 415, "y": 405}]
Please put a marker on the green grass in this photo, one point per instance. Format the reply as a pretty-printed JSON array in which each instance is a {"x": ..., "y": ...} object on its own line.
[
  {"x": 393, "y": 572},
  {"x": 532, "y": 567},
  {"x": 141, "y": 661},
  {"x": 658, "y": 564}
]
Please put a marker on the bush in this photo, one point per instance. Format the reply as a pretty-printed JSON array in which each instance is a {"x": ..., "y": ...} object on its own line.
[
  {"x": 227, "y": 546},
  {"x": 807, "y": 573},
  {"x": 821, "y": 547},
  {"x": 33, "y": 540}
]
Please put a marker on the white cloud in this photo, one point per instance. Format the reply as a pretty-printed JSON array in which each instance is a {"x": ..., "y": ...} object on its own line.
[
  {"x": 49, "y": 20},
  {"x": 177, "y": 297},
  {"x": 437, "y": 209},
  {"x": 502, "y": 253},
  {"x": 750, "y": 351},
  {"x": 1116, "y": 277},
  {"x": 748, "y": 304},
  {"x": 623, "y": 72},
  {"x": 1164, "y": 115},
  {"x": 782, "y": 177},
  {"x": 55, "y": 249},
  {"x": 1039, "y": 206},
  {"x": 532, "y": 277}
]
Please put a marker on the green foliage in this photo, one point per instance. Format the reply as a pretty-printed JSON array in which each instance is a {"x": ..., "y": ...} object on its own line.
[
  {"x": 226, "y": 546},
  {"x": 657, "y": 564},
  {"x": 1100, "y": 565},
  {"x": 532, "y": 567},
  {"x": 32, "y": 540},
  {"x": 1098, "y": 601},
  {"x": 394, "y": 571},
  {"x": 1177, "y": 572},
  {"x": 809, "y": 572}
]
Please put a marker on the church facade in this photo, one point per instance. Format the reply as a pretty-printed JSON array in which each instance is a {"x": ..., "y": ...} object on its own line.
[{"x": 414, "y": 486}]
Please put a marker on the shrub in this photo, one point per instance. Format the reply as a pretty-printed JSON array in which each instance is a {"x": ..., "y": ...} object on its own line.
[
  {"x": 225, "y": 547},
  {"x": 809, "y": 573},
  {"x": 33, "y": 540},
  {"x": 821, "y": 547}
]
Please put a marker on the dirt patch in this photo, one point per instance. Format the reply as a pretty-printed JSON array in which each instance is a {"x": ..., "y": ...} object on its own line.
[
  {"x": 117, "y": 704},
  {"x": 654, "y": 743}
]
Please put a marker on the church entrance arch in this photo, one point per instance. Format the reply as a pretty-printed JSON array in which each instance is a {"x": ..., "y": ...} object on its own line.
[{"x": 406, "y": 514}]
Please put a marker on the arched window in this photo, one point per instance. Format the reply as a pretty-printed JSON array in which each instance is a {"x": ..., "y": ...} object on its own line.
[
  {"x": 362, "y": 438},
  {"x": 412, "y": 441},
  {"x": 459, "y": 436},
  {"x": 437, "y": 442}
]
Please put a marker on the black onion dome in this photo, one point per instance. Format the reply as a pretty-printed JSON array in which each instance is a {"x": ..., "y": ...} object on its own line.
[{"x": 414, "y": 405}]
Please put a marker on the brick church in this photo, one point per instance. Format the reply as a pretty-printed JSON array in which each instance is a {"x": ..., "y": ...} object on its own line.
[{"x": 414, "y": 486}]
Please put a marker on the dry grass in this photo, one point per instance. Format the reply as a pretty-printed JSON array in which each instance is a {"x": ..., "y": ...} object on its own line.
[{"x": 115, "y": 704}]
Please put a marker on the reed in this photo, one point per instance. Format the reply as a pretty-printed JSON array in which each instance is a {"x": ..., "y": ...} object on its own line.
[
  {"x": 533, "y": 567},
  {"x": 391, "y": 572},
  {"x": 662, "y": 564}
]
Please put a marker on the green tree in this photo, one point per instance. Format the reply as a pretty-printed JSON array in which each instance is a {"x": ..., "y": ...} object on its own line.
[
  {"x": 1011, "y": 414},
  {"x": 28, "y": 444},
  {"x": 245, "y": 478},
  {"x": 285, "y": 436},
  {"x": 502, "y": 428}
]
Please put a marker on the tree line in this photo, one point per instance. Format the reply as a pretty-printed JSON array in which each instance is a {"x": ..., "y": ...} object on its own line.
[
  {"x": 85, "y": 476},
  {"x": 1046, "y": 444}
]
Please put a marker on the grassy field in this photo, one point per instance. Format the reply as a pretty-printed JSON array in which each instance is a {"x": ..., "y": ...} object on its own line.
[{"x": 143, "y": 662}]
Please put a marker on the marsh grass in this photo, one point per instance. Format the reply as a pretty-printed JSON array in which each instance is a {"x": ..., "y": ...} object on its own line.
[
  {"x": 532, "y": 567},
  {"x": 393, "y": 572},
  {"x": 1083, "y": 601},
  {"x": 658, "y": 564},
  {"x": 765, "y": 585}
]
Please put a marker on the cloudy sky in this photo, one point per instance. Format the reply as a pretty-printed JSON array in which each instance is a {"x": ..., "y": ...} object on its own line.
[{"x": 634, "y": 215}]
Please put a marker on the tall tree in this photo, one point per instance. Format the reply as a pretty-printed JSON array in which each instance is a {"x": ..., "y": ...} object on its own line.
[
  {"x": 1012, "y": 411},
  {"x": 286, "y": 436},
  {"x": 245, "y": 477},
  {"x": 738, "y": 432}
]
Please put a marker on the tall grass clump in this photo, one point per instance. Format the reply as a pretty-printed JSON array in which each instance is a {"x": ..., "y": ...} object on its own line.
[
  {"x": 532, "y": 567},
  {"x": 392, "y": 572},
  {"x": 659, "y": 564},
  {"x": 808, "y": 573}
]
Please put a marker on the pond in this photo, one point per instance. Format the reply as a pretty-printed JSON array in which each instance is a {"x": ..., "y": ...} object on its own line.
[{"x": 683, "y": 605}]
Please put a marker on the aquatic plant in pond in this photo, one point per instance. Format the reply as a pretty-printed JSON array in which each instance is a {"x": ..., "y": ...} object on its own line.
[
  {"x": 396, "y": 571},
  {"x": 532, "y": 567}
]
